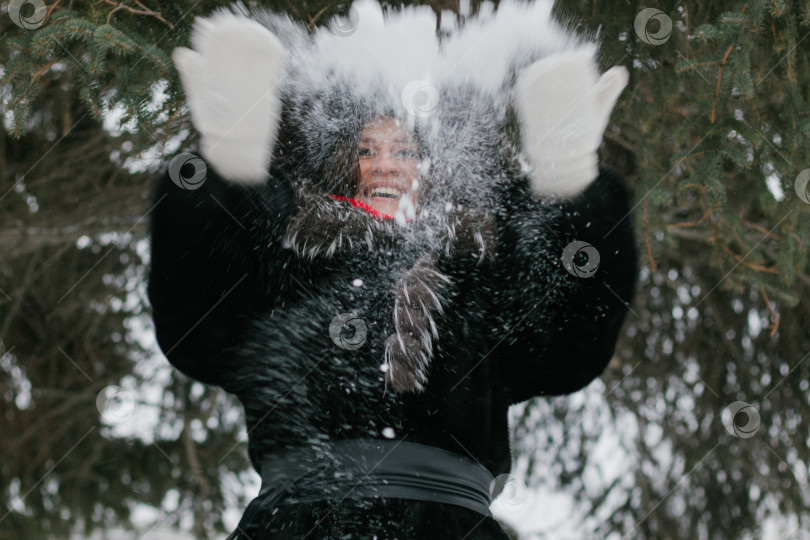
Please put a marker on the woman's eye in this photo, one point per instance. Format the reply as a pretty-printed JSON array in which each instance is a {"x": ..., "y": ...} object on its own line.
[
  {"x": 364, "y": 151},
  {"x": 409, "y": 153}
]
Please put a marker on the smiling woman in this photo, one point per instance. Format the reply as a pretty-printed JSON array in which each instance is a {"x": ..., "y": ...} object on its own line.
[
  {"x": 398, "y": 427},
  {"x": 388, "y": 157}
]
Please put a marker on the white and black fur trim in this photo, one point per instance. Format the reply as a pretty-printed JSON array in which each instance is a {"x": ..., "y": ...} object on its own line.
[
  {"x": 324, "y": 225},
  {"x": 408, "y": 352}
]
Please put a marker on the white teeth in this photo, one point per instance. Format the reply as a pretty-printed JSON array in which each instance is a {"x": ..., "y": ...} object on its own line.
[{"x": 385, "y": 191}]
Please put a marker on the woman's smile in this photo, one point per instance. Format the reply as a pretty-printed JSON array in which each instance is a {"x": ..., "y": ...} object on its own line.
[{"x": 388, "y": 157}]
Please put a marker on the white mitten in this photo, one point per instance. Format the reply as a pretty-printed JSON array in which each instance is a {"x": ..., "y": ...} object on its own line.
[
  {"x": 231, "y": 78},
  {"x": 563, "y": 108}
]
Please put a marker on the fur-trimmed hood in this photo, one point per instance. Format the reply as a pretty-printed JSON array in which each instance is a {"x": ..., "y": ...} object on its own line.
[{"x": 452, "y": 93}]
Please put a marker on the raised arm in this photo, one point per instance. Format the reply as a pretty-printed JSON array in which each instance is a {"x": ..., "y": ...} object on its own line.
[
  {"x": 567, "y": 258},
  {"x": 216, "y": 255}
]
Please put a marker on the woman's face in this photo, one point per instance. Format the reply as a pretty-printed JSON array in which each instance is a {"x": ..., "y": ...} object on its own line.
[{"x": 388, "y": 156}]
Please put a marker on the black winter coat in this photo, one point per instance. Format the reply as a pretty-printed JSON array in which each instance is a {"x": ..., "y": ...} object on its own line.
[{"x": 233, "y": 307}]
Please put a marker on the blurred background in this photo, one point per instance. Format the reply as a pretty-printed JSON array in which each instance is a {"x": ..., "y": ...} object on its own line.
[{"x": 698, "y": 428}]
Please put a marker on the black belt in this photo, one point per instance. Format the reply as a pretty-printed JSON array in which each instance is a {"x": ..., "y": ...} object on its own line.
[{"x": 372, "y": 468}]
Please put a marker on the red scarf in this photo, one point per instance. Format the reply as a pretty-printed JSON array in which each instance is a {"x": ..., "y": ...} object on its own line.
[{"x": 364, "y": 206}]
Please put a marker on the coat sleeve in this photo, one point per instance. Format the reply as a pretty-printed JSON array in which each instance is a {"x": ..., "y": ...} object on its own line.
[
  {"x": 215, "y": 259},
  {"x": 554, "y": 331}
]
